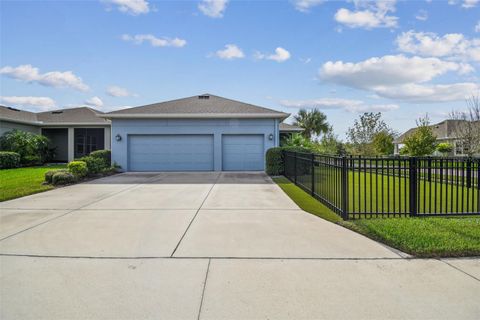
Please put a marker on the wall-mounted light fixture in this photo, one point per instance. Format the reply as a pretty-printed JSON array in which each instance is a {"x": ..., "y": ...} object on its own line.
[
  {"x": 270, "y": 136},
  {"x": 118, "y": 137}
]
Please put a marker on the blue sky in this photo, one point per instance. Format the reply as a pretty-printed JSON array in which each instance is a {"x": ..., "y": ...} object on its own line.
[{"x": 404, "y": 58}]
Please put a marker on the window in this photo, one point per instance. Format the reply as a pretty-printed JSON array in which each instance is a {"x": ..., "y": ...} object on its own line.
[{"x": 88, "y": 140}]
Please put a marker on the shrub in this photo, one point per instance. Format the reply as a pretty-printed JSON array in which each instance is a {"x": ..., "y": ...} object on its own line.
[
  {"x": 444, "y": 147},
  {"x": 106, "y": 155},
  {"x": 49, "y": 174},
  {"x": 61, "y": 177},
  {"x": 78, "y": 168},
  {"x": 94, "y": 165},
  {"x": 274, "y": 161},
  {"x": 32, "y": 148},
  {"x": 9, "y": 159}
]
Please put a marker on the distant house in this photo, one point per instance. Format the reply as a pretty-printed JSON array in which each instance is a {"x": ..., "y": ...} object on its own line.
[
  {"x": 446, "y": 131},
  {"x": 286, "y": 130}
]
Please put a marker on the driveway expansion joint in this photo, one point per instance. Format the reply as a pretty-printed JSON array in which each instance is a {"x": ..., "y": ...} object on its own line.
[
  {"x": 203, "y": 290},
  {"x": 458, "y": 269}
]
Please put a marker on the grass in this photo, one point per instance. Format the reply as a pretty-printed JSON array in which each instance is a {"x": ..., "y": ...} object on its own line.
[
  {"x": 421, "y": 237},
  {"x": 19, "y": 182}
]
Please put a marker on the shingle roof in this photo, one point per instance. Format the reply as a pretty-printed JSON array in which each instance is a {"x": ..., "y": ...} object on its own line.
[
  {"x": 446, "y": 129},
  {"x": 206, "y": 105},
  {"x": 74, "y": 115},
  {"x": 285, "y": 127}
]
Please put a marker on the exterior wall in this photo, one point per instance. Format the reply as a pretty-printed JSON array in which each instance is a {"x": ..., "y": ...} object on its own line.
[
  {"x": 6, "y": 126},
  {"x": 217, "y": 127}
]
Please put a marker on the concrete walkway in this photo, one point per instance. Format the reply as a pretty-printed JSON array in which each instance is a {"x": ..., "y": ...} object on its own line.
[{"x": 208, "y": 246}]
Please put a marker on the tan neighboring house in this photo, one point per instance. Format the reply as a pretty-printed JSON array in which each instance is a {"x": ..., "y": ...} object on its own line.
[
  {"x": 446, "y": 131},
  {"x": 72, "y": 132}
]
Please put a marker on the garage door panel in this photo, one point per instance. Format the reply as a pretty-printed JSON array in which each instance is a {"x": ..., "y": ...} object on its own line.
[
  {"x": 171, "y": 152},
  {"x": 243, "y": 152}
]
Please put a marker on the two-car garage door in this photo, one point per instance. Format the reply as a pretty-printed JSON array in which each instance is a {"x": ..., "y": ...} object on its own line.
[{"x": 194, "y": 152}]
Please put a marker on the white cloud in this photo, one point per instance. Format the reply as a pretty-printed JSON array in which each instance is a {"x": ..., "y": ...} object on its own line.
[
  {"x": 477, "y": 26},
  {"x": 213, "y": 8},
  {"x": 56, "y": 79},
  {"x": 116, "y": 91},
  {"x": 280, "y": 55},
  {"x": 134, "y": 7},
  {"x": 454, "y": 45},
  {"x": 154, "y": 41},
  {"x": 34, "y": 103},
  {"x": 369, "y": 15},
  {"x": 399, "y": 77},
  {"x": 342, "y": 104},
  {"x": 306, "y": 5},
  {"x": 422, "y": 15},
  {"x": 94, "y": 102},
  {"x": 230, "y": 52},
  {"x": 470, "y": 3}
]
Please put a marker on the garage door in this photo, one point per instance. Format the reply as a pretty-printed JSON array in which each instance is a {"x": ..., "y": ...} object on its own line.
[
  {"x": 170, "y": 152},
  {"x": 242, "y": 152}
]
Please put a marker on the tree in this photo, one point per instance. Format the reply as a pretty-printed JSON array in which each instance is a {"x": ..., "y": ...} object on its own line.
[
  {"x": 468, "y": 129},
  {"x": 297, "y": 140},
  {"x": 312, "y": 122},
  {"x": 383, "y": 143},
  {"x": 330, "y": 144},
  {"x": 422, "y": 142},
  {"x": 444, "y": 148},
  {"x": 362, "y": 135},
  {"x": 32, "y": 148}
]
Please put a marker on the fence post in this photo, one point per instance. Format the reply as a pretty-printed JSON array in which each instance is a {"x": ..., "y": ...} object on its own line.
[
  {"x": 412, "y": 178},
  {"x": 295, "y": 167},
  {"x": 313, "y": 174},
  {"x": 429, "y": 169},
  {"x": 344, "y": 186},
  {"x": 469, "y": 173}
]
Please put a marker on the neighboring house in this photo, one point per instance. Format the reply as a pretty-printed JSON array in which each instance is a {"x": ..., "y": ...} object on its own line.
[
  {"x": 199, "y": 133},
  {"x": 72, "y": 132},
  {"x": 445, "y": 131},
  {"x": 286, "y": 130}
]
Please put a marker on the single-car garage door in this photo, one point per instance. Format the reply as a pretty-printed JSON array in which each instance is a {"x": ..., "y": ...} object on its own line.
[
  {"x": 170, "y": 152},
  {"x": 242, "y": 152}
]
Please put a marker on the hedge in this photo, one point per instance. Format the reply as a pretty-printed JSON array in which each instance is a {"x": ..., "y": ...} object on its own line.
[
  {"x": 49, "y": 174},
  {"x": 60, "y": 178},
  {"x": 274, "y": 165},
  {"x": 106, "y": 155},
  {"x": 78, "y": 168},
  {"x": 9, "y": 159},
  {"x": 94, "y": 165}
]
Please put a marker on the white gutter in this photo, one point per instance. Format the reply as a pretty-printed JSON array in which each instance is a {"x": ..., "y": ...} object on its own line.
[{"x": 196, "y": 116}]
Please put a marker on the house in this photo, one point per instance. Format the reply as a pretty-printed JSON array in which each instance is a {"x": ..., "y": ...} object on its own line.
[
  {"x": 199, "y": 133},
  {"x": 445, "y": 131},
  {"x": 286, "y": 130},
  {"x": 72, "y": 132}
]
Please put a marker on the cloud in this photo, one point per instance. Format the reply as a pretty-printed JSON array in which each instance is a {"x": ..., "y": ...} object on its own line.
[
  {"x": 56, "y": 79},
  {"x": 400, "y": 77},
  {"x": 305, "y": 5},
  {"x": 280, "y": 55},
  {"x": 213, "y": 8},
  {"x": 133, "y": 7},
  {"x": 230, "y": 52},
  {"x": 368, "y": 15},
  {"x": 467, "y": 4},
  {"x": 454, "y": 45},
  {"x": 94, "y": 102},
  {"x": 422, "y": 15},
  {"x": 477, "y": 26},
  {"x": 342, "y": 104},
  {"x": 35, "y": 103},
  {"x": 116, "y": 91},
  {"x": 154, "y": 41}
]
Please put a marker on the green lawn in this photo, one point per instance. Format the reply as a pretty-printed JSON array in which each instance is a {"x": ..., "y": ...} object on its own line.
[
  {"x": 421, "y": 237},
  {"x": 19, "y": 182}
]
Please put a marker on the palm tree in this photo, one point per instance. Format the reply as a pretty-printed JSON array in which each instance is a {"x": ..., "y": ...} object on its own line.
[{"x": 313, "y": 122}]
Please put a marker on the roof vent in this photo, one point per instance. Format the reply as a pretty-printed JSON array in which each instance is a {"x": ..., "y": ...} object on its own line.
[
  {"x": 57, "y": 112},
  {"x": 204, "y": 97},
  {"x": 13, "y": 109}
]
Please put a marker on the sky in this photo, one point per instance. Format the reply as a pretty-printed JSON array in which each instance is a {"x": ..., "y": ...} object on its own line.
[{"x": 402, "y": 58}]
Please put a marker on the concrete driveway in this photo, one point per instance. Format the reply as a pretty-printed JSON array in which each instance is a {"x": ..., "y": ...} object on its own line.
[{"x": 208, "y": 246}]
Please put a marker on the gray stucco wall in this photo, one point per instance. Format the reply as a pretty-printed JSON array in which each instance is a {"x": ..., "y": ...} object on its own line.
[
  {"x": 217, "y": 127},
  {"x": 6, "y": 126}
]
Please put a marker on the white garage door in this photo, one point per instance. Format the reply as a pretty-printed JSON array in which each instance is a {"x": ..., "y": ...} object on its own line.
[
  {"x": 243, "y": 152},
  {"x": 170, "y": 152}
]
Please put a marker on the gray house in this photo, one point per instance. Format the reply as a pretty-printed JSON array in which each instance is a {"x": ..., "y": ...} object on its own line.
[
  {"x": 199, "y": 133},
  {"x": 72, "y": 132}
]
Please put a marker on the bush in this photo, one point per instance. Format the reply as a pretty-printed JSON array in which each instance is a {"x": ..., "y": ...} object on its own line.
[
  {"x": 274, "y": 159},
  {"x": 78, "y": 168},
  {"x": 49, "y": 174},
  {"x": 444, "y": 147},
  {"x": 32, "y": 148},
  {"x": 94, "y": 165},
  {"x": 106, "y": 155},
  {"x": 9, "y": 159},
  {"x": 60, "y": 178}
]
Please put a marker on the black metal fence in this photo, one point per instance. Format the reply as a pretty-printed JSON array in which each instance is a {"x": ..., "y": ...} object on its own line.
[{"x": 365, "y": 187}]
